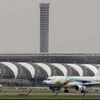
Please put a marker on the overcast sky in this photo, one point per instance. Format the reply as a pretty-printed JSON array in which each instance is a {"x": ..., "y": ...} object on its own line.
[{"x": 74, "y": 26}]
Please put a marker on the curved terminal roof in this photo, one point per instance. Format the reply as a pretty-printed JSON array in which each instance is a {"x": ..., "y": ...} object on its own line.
[
  {"x": 61, "y": 67},
  {"x": 91, "y": 67},
  {"x": 98, "y": 65},
  {"x": 45, "y": 67},
  {"x": 11, "y": 66},
  {"x": 77, "y": 68},
  {"x": 29, "y": 67}
]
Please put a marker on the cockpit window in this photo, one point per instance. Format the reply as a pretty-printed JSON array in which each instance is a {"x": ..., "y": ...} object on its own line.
[{"x": 49, "y": 79}]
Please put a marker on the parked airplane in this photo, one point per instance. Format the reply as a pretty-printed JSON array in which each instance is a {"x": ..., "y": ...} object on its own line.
[{"x": 77, "y": 82}]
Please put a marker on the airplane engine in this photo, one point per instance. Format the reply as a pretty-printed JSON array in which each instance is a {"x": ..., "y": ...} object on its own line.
[{"x": 80, "y": 88}]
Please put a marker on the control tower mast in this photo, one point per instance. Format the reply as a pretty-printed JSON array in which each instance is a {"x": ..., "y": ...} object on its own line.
[{"x": 44, "y": 27}]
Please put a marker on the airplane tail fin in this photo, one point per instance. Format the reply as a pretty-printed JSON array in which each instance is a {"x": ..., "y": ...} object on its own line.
[{"x": 98, "y": 72}]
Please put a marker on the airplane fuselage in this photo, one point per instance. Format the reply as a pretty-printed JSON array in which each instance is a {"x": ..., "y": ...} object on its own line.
[
  {"x": 78, "y": 82},
  {"x": 69, "y": 81}
]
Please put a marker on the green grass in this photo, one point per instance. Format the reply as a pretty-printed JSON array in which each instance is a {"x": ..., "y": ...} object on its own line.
[
  {"x": 22, "y": 96},
  {"x": 36, "y": 94},
  {"x": 24, "y": 91}
]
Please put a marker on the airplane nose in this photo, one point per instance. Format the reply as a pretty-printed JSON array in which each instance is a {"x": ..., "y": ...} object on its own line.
[{"x": 44, "y": 82}]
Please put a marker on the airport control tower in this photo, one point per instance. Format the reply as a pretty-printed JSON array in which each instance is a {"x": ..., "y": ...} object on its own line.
[{"x": 44, "y": 27}]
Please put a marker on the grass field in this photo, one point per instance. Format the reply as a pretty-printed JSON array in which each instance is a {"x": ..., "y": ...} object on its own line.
[
  {"x": 42, "y": 94},
  {"x": 21, "y": 96}
]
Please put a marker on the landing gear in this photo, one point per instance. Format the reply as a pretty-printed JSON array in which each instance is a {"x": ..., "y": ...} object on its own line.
[
  {"x": 53, "y": 89},
  {"x": 66, "y": 91},
  {"x": 83, "y": 91}
]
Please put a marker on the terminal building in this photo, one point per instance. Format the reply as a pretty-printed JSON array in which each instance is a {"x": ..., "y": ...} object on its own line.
[{"x": 32, "y": 69}]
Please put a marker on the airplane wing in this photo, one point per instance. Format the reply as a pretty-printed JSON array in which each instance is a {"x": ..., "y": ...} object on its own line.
[
  {"x": 92, "y": 84},
  {"x": 88, "y": 84}
]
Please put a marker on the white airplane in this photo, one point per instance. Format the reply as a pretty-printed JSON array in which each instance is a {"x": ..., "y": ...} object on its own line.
[{"x": 77, "y": 82}]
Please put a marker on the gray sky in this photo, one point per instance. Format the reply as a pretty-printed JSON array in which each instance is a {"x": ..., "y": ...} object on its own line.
[{"x": 74, "y": 26}]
